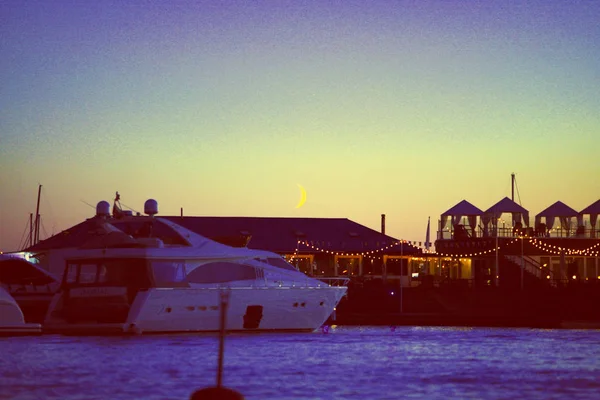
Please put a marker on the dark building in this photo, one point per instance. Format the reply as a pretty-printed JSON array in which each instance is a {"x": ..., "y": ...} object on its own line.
[{"x": 317, "y": 246}]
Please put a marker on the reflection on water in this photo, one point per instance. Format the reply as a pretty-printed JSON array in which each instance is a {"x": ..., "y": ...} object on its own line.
[{"x": 334, "y": 363}]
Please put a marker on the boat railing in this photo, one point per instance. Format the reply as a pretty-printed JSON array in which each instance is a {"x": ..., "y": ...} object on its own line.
[
  {"x": 335, "y": 281},
  {"x": 461, "y": 232},
  {"x": 533, "y": 267}
]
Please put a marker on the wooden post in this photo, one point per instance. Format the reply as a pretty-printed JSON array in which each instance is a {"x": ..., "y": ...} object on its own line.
[{"x": 360, "y": 265}]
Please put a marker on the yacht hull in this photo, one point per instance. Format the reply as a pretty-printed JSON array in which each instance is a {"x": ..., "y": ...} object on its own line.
[{"x": 168, "y": 310}]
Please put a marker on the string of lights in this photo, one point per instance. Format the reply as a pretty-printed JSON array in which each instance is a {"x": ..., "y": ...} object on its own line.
[
  {"x": 569, "y": 251},
  {"x": 479, "y": 253},
  {"x": 295, "y": 251},
  {"x": 372, "y": 254},
  {"x": 367, "y": 254}
]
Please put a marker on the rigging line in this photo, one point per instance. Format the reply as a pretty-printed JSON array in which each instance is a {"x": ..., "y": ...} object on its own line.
[
  {"x": 24, "y": 237},
  {"x": 44, "y": 228},
  {"x": 126, "y": 206},
  {"x": 85, "y": 202},
  {"x": 47, "y": 202},
  {"x": 517, "y": 187}
]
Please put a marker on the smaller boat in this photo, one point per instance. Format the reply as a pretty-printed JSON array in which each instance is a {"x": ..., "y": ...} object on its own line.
[
  {"x": 29, "y": 285},
  {"x": 12, "y": 321}
]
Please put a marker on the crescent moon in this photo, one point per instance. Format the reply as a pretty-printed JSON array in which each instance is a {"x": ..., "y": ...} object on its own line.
[{"x": 302, "y": 196}]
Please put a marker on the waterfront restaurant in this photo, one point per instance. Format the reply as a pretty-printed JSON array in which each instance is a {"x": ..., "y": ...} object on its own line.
[{"x": 500, "y": 247}]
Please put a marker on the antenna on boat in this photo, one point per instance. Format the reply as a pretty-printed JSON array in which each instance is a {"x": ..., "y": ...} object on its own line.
[
  {"x": 151, "y": 207},
  {"x": 103, "y": 209},
  {"x": 219, "y": 392},
  {"x": 36, "y": 234},
  {"x": 117, "y": 211}
]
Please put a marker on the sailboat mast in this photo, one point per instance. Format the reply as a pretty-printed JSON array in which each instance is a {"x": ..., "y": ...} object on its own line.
[
  {"x": 30, "y": 229},
  {"x": 36, "y": 237}
]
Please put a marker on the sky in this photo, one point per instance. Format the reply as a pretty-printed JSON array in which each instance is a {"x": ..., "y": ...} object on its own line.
[{"x": 401, "y": 108}]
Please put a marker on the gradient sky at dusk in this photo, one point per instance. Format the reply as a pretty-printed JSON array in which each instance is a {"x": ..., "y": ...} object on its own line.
[{"x": 222, "y": 108}]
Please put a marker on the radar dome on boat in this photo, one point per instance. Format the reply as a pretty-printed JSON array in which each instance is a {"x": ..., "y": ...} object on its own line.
[
  {"x": 102, "y": 209},
  {"x": 150, "y": 207}
]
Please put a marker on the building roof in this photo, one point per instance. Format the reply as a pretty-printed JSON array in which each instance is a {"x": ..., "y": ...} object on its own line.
[
  {"x": 463, "y": 208},
  {"x": 277, "y": 234},
  {"x": 593, "y": 208},
  {"x": 75, "y": 236},
  {"x": 506, "y": 205},
  {"x": 281, "y": 234},
  {"x": 558, "y": 209}
]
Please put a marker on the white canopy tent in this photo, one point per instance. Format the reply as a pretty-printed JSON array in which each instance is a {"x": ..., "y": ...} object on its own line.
[
  {"x": 456, "y": 213},
  {"x": 559, "y": 209},
  {"x": 593, "y": 210},
  {"x": 506, "y": 205}
]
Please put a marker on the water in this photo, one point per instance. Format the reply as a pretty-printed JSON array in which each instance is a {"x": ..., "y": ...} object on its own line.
[{"x": 344, "y": 363}]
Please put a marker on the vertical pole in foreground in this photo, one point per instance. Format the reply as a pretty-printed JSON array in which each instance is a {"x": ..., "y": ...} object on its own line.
[
  {"x": 496, "y": 274},
  {"x": 401, "y": 275},
  {"x": 219, "y": 392},
  {"x": 522, "y": 265},
  {"x": 224, "y": 297}
]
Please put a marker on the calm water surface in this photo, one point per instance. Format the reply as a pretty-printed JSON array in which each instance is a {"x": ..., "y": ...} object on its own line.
[{"x": 344, "y": 363}]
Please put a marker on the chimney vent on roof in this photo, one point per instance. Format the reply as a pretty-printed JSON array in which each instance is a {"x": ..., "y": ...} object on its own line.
[{"x": 383, "y": 223}]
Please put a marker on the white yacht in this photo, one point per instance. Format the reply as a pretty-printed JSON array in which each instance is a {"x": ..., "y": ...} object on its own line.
[{"x": 151, "y": 275}]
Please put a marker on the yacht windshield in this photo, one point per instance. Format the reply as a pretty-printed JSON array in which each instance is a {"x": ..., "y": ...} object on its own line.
[
  {"x": 144, "y": 228},
  {"x": 280, "y": 263}
]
